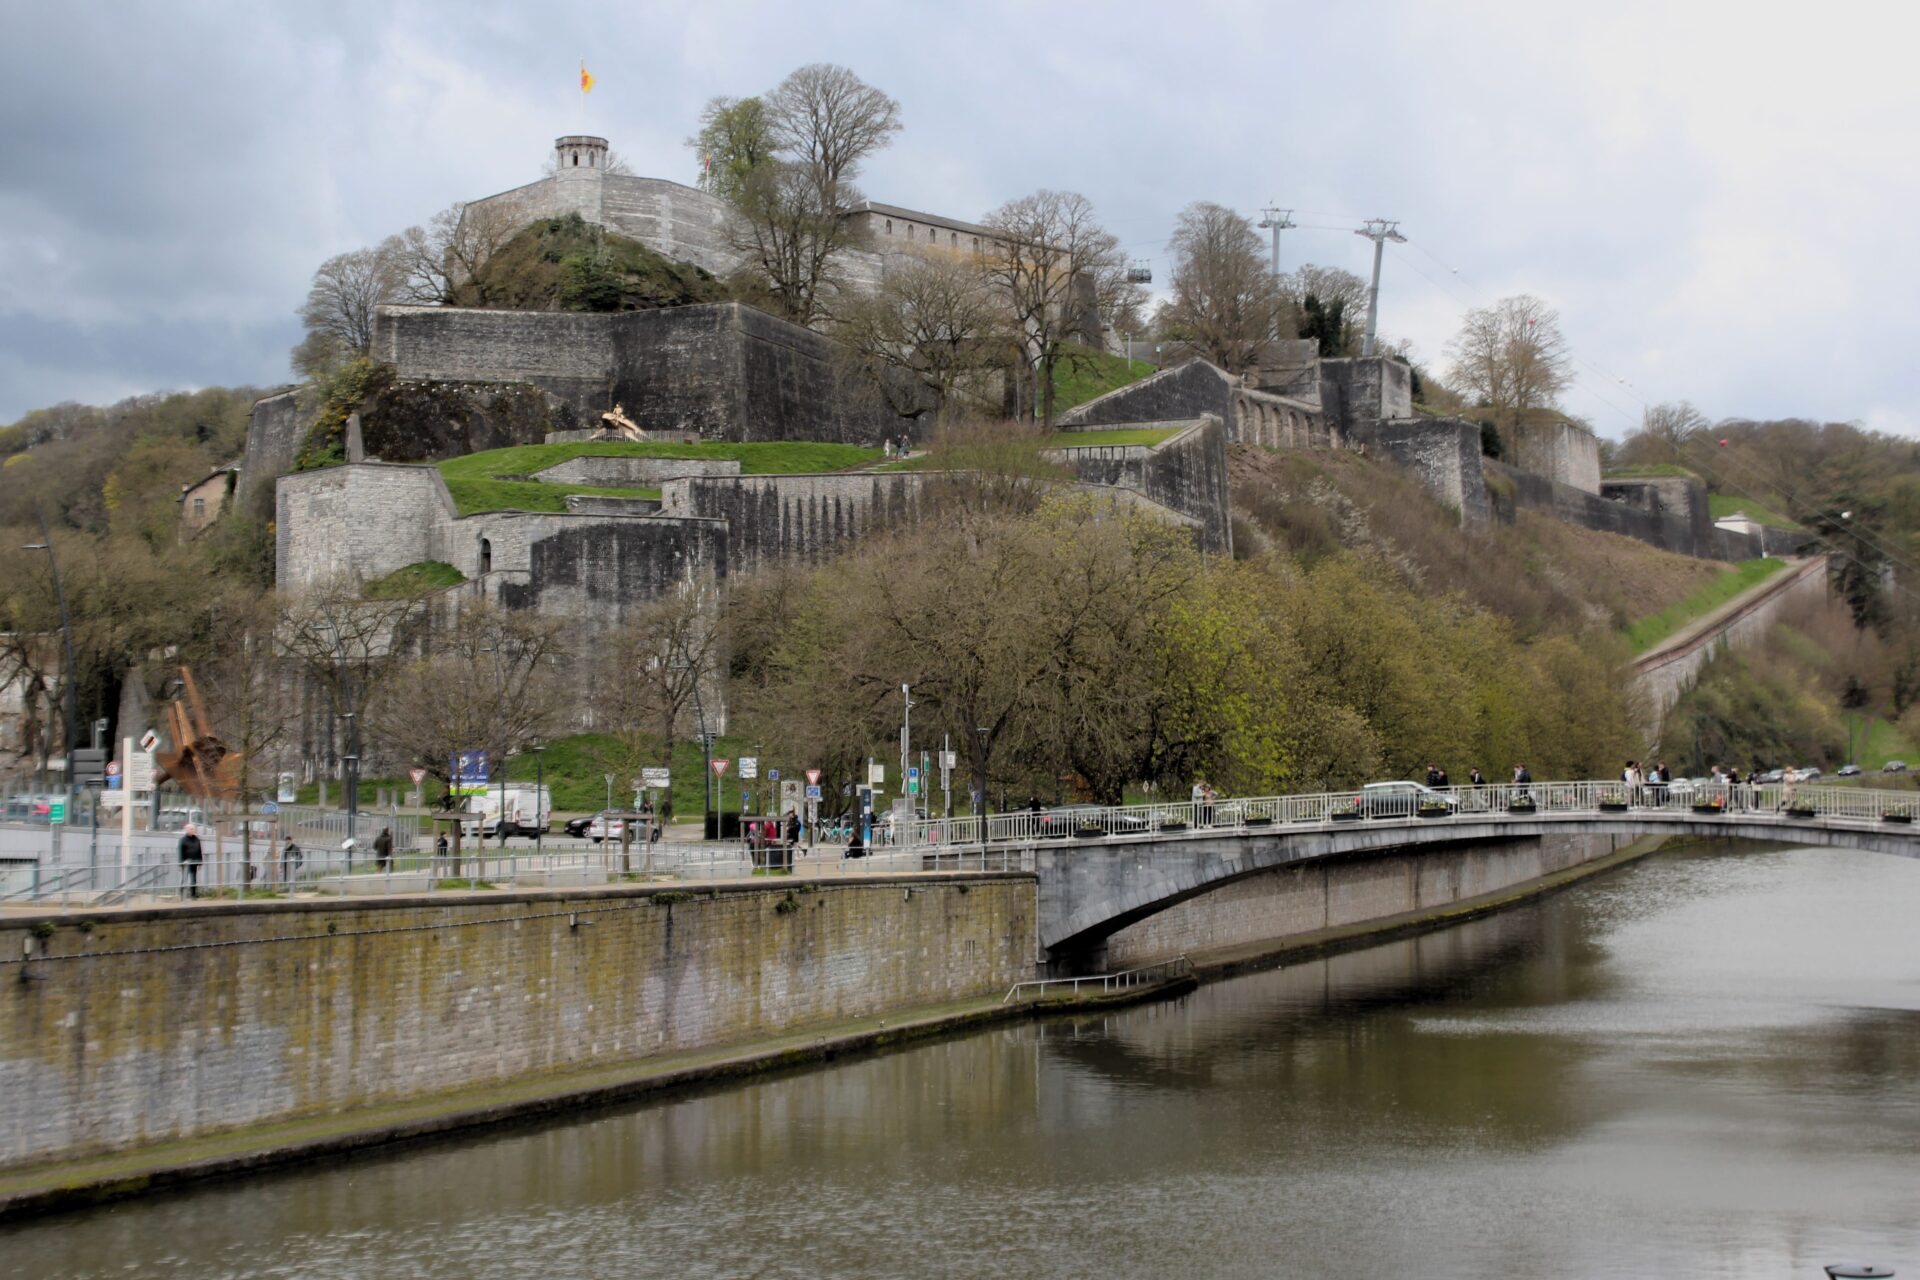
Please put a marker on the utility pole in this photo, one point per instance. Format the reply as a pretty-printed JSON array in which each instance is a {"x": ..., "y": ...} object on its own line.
[
  {"x": 1378, "y": 230},
  {"x": 906, "y": 721},
  {"x": 1276, "y": 221}
]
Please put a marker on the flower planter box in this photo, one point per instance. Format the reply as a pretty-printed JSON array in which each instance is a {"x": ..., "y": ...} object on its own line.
[
  {"x": 1709, "y": 808},
  {"x": 1348, "y": 815},
  {"x": 1089, "y": 833},
  {"x": 1903, "y": 818},
  {"x": 1259, "y": 822},
  {"x": 1612, "y": 806},
  {"x": 1173, "y": 826},
  {"x": 1523, "y": 808},
  {"x": 1802, "y": 813},
  {"x": 1436, "y": 813}
]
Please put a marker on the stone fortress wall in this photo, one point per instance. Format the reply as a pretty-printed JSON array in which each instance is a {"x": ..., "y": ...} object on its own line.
[
  {"x": 1561, "y": 451},
  {"x": 717, "y": 371},
  {"x": 1186, "y": 472}
]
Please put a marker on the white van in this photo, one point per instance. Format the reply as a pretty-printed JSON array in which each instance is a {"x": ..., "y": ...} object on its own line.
[{"x": 528, "y": 810}]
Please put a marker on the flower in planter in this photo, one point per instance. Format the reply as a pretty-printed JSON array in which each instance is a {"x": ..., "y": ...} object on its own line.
[{"x": 1613, "y": 797}]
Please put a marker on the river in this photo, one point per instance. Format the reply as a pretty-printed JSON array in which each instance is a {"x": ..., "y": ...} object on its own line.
[{"x": 1707, "y": 1063}]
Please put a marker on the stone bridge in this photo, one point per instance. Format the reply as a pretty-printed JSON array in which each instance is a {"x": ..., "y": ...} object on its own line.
[{"x": 1150, "y": 858}]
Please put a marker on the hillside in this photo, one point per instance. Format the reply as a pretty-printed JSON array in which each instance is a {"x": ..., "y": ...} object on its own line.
[
  {"x": 1544, "y": 575},
  {"x": 564, "y": 264}
]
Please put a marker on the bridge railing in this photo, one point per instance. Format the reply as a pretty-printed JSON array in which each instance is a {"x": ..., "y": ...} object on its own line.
[{"x": 1703, "y": 802}]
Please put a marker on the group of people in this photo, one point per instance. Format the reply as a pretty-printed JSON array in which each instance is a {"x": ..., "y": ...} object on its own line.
[
  {"x": 898, "y": 446},
  {"x": 1437, "y": 777},
  {"x": 1646, "y": 785},
  {"x": 771, "y": 842}
]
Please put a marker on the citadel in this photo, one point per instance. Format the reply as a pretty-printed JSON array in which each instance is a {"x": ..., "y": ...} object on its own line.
[{"x": 466, "y": 380}]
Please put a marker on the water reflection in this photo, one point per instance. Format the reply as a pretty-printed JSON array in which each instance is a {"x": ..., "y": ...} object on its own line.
[{"x": 1704, "y": 1064}]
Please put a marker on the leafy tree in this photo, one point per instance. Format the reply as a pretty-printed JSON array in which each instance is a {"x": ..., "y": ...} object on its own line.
[{"x": 735, "y": 139}]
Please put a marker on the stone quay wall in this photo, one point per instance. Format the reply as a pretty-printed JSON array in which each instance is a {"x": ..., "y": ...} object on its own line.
[
  {"x": 178, "y": 1023},
  {"x": 1332, "y": 893}
]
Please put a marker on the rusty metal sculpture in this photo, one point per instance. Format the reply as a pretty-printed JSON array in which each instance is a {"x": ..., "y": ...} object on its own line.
[{"x": 198, "y": 760}]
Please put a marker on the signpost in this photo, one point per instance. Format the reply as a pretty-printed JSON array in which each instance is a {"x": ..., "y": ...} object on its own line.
[
  {"x": 469, "y": 773},
  {"x": 286, "y": 793},
  {"x": 419, "y": 776}
]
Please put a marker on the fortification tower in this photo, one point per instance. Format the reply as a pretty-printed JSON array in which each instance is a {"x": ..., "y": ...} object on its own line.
[{"x": 580, "y": 151}]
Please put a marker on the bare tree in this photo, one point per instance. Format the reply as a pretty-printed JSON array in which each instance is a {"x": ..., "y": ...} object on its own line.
[
  {"x": 927, "y": 335},
  {"x": 829, "y": 120},
  {"x": 649, "y": 673},
  {"x": 1511, "y": 357},
  {"x": 345, "y": 291},
  {"x": 248, "y": 694},
  {"x": 1224, "y": 297},
  {"x": 789, "y": 231},
  {"x": 436, "y": 259},
  {"x": 490, "y": 677},
  {"x": 344, "y": 642},
  {"x": 1048, "y": 248},
  {"x": 1671, "y": 428}
]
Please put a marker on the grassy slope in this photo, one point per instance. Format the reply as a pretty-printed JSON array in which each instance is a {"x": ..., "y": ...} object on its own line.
[
  {"x": 1087, "y": 373},
  {"x": 540, "y": 268},
  {"x": 1652, "y": 629},
  {"x": 471, "y": 479},
  {"x": 1082, "y": 439},
  {"x": 415, "y": 579},
  {"x": 1725, "y": 504}
]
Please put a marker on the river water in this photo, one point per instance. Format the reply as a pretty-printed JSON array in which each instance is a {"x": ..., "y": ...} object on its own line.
[{"x": 1705, "y": 1064}]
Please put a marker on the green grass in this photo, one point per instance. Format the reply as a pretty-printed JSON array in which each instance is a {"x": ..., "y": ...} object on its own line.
[
  {"x": 1649, "y": 631},
  {"x": 473, "y": 481},
  {"x": 1084, "y": 374},
  {"x": 1882, "y": 741},
  {"x": 1083, "y": 439},
  {"x": 416, "y": 579},
  {"x": 1650, "y": 471},
  {"x": 1725, "y": 504}
]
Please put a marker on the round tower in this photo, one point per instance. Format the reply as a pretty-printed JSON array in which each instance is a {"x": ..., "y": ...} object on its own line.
[{"x": 580, "y": 151}]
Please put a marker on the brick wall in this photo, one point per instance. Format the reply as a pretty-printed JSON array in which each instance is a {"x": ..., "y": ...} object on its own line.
[
  {"x": 177, "y": 1034},
  {"x": 1295, "y": 900}
]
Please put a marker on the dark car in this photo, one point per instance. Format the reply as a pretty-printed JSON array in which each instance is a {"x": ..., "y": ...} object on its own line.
[
  {"x": 1847, "y": 771},
  {"x": 1071, "y": 819},
  {"x": 577, "y": 827}
]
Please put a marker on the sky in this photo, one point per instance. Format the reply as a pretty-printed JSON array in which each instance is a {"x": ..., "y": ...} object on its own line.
[{"x": 1713, "y": 196}]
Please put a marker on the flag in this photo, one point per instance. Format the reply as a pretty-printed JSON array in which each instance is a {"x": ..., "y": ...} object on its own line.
[{"x": 586, "y": 79}]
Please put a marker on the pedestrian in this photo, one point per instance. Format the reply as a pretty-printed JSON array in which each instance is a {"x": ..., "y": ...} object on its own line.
[
  {"x": 383, "y": 849},
  {"x": 290, "y": 860},
  {"x": 1659, "y": 778},
  {"x": 1208, "y": 797},
  {"x": 190, "y": 857},
  {"x": 1445, "y": 781},
  {"x": 1630, "y": 780},
  {"x": 1433, "y": 776},
  {"x": 856, "y": 848},
  {"x": 440, "y": 847},
  {"x": 1475, "y": 777}
]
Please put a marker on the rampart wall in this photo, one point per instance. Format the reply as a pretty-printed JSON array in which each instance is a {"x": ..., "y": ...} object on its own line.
[
  {"x": 808, "y": 518},
  {"x": 177, "y": 1023},
  {"x": 1560, "y": 451},
  {"x": 1187, "y": 473},
  {"x": 616, "y": 471},
  {"x": 275, "y": 431},
  {"x": 1442, "y": 453},
  {"x": 1194, "y": 388}
]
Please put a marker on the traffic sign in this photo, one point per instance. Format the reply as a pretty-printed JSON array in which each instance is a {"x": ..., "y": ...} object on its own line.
[
  {"x": 913, "y": 786},
  {"x": 57, "y": 811},
  {"x": 749, "y": 767},
  {"x": 720, "y": 764},
  {"x": 813, "y": 791},
  {"x": 947, "y": 760},
  {"x": 655, "y": 777},
  {"x": 773, "y": 775},
  {"x": 270, "y": 809},
  {"x": 113, "y": 768},
  {"x": 876, "y": 775},
  {"x": 913, "y": 773},
  {"x": 140, "y": 771},
  {"x": 149, "y": 740},
  {"x": 418, "y": 775},
  {"x": 286, "y": 793},
  {"x": 813, "y": 776}
]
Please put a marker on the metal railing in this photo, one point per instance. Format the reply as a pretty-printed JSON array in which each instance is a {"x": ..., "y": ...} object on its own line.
[
  {"x": 1493, "y": 802},
  {"x": 1150, "y": 975}
]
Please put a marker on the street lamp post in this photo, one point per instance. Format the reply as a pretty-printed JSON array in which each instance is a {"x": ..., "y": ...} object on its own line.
[
  {"x": 352, "y": 763},
  {"x": 539, "y": 798},
  {"x": 984, "y": 733},
  {"x": 500, "y": 717}
]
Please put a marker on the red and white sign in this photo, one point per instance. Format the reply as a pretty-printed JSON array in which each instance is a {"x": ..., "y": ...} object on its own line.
[
  {"x": 149, "y": 740},
  {"x": 418, "y": 775},
  {"x": 113, "y": 768},
  {"x": 813, "y": 777},
  {"x": 720, "y": 765}
]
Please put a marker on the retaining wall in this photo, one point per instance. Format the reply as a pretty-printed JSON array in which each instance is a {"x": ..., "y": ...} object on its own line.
[
  {"x": 1195, "y": 388},
  {"x": 190, "y": 1021},
  {"x": 1442, "y": 453},
  {"x": 1187, "y": 473}
]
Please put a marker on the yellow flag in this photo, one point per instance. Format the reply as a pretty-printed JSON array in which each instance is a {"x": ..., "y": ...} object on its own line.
[{"x": 586, "y": 79}]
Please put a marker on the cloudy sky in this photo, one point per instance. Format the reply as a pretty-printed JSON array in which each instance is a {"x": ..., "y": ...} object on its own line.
[{"x": 1716, "y": 197}]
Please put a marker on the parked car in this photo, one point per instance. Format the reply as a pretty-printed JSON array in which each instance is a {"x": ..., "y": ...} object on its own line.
[
  {"x": 1070, "y": 819},
  {"x": 1810, "y": 774},
  {"x": 1402, "y": 799},
  {"x": 577, "y": 827},
  {"x": 601, "y": 828},
  {"x": 1847, "y": 771},
  {"x": 1771, "y": 775},
  {"x": 1894, "y": 766}
]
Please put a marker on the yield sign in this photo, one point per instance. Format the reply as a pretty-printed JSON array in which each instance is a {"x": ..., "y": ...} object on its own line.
[
  {"x": 813, "y": 777},
  {"x": 418, "y": 775},
  {"x": 720, "y": 765}
]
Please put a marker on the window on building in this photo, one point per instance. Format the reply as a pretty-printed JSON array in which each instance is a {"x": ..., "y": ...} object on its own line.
[
  {"x": 909, "y": 231},
  {"x": 889, "y": 226},
  {"x": 953, "y": 238},
  {"x": 576, "y": 159},
  {"x": 199, "y": 506},
  {"x": 486, "y": 555},
  {"x": 976, "y": 244}
]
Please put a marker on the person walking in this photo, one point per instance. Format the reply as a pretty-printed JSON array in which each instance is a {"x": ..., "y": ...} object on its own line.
[
  {"x": 383, "y": 849},
  {"x": 290, "y": 860},
  {"x": 190, "y": 858},
  {"x": 1657, "y": 780},
  {"x": 793, "y": 834},
  {"x": 439, "y": 850},
  {"x": 1475, "y": 777}
]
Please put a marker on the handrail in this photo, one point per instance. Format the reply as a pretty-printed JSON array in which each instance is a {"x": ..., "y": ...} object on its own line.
[{"x": 1123, "y": 980}]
